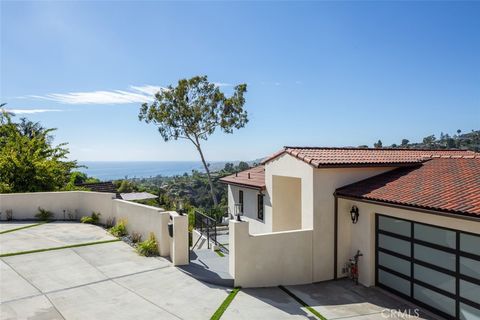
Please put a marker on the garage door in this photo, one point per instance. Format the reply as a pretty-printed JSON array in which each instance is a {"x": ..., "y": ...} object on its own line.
[{"x": 437, "y": 268}]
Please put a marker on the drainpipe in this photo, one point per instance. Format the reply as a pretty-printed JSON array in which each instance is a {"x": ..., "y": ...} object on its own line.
[{"x": 335, "y": 237}]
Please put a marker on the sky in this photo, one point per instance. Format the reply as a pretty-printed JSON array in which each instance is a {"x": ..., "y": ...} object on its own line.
[{"x": 318, "y": 73}]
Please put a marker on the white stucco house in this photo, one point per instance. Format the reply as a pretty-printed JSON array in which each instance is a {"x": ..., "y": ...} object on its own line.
[{"x": 418, "y": 224}]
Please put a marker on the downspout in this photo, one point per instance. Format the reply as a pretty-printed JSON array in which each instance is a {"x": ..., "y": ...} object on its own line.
[{"x": 335, "y": 237}]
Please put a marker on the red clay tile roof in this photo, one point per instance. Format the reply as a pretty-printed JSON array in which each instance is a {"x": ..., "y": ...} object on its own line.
[
  {"x": 252, "y": 178},
  {"x": 341, "y": 157},
  {"x": 445, "y": 184}
]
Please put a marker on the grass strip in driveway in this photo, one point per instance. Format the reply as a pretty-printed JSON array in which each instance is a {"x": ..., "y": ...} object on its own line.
[
  {"x": 303, "y": 303},
  {"x": 218, "y": 314},
  {"x": 25, "y": 227},
  {"x": 58, "y": 248}
]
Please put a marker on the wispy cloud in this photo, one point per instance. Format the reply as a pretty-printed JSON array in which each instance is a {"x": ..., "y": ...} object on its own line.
[
  {"x": 29, "y": 111},
  {"x": 223, "y": 84},
  {"x": 135, "y": 94}
]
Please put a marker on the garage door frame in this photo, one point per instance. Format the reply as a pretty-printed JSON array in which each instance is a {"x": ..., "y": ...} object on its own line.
[{"x": 412, "y": 260}]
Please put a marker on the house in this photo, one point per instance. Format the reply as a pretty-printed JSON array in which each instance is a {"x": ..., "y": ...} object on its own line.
[{"x": 413, "y": 214}]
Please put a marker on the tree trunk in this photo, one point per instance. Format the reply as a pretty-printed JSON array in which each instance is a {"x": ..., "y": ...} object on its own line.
[{"x": 214, "y": 198}]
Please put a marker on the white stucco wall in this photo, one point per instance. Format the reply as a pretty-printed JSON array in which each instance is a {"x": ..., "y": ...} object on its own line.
[
  {"x": 250, "y": 208},
  {"x": 326, "y": 181},
  {"x": 140, "y": 218},
  {"x": 361, "y": 236},
  {"x": 79, "y": 203},
  {"x": 271, "y": 259},
  {"x": 144, "y": 219},
  {"x": 288, "y": 166}
]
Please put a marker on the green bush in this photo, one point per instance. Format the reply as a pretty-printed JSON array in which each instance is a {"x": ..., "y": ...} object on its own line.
[
  {"x": 148, "y": 247},
  {"x": 136, "y": 237},
  {"x": 43, "y": 214},
  {"x": 93, "y": 219},
  {"x": 120, "y": 229}
]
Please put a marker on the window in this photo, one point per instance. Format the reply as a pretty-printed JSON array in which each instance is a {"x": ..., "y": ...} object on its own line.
[
  {"x": 260, "y": 206},
  {"x": 240, "y": 200}
]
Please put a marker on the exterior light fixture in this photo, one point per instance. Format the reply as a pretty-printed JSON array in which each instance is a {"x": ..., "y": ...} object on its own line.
[
  {"x": 354, "y": 214},
  {"x": 238, "y": 211},
  {"x": 179, "y": 207}
]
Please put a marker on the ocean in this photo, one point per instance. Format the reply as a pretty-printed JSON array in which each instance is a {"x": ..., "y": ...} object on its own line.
[{"x": 112, "y": 170}]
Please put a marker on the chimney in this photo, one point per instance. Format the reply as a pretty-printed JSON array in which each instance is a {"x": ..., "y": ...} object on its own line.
[{"x": 249, "y": 175}]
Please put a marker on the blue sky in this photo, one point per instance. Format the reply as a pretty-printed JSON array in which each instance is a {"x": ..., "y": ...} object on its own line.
[{"x": 318, "y": 73}]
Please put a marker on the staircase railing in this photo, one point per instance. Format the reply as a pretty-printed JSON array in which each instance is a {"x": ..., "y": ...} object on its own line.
[{"x": 207, "y": 227}]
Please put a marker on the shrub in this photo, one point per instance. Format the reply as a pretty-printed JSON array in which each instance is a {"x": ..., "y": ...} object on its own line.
[
  {"x": 120, "y": 229},
  {"x": 93, "y": 219},
  {"x": 148, "y": 247},
  {"x": 136, "y": 237},
  {"x": 110, "y": 222},
  {"x": 9, "y": 214},
  {"x": 43, "y": 214}
]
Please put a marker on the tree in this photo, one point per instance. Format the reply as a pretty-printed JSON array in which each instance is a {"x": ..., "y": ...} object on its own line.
[
  {"x": 193, "y": 110},
  {"x": 378, "y": 144},
  {"x": 405, "y": 142},
  {"x": 242, "y": 165},
  {"x": 29, "y": 162}
]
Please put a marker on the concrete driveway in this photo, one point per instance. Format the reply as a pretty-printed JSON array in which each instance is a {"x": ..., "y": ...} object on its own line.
[
  {"x": 111, "y": 281},
  {"x": 102, "y": 281}
]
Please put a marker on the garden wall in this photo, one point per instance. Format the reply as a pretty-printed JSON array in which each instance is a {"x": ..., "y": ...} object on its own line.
[
  {"x": 271, "y": 259},
  {"x": 72, "y": 205}
]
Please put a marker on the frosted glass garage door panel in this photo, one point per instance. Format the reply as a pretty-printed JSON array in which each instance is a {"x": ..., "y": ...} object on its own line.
[
  {"x": 470, "y": 243},
  {"x": 400, "y": 227},
  {"x": 436, "y": 257},
  {"x": 437, "y": 279},
  {"x": 441, "y": 237},
  {"x": 394, "y": 282},
  {"x": 468, "y": 312},
  {"x": 470, "y": 291},
  {"x": 394, "y": 263},
  {"x": 470, "y": 267},
  {"x": 434, "y": 299},
  {"x": 394, "y": 244}
]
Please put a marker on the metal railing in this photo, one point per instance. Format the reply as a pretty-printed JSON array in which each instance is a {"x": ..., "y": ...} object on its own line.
[{"x": 207, "y": 227}]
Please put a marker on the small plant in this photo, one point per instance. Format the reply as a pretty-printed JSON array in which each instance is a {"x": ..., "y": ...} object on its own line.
[
  {"x": 148, "y": 247},
  {"x": 9, "y": 214},
  {"x": 43, "y": 214},
  {"x": 93, "y": 219},
  {"x": 110, "y": 222},
  {"x": 136, "y": 237},
  {"x": 120, "y": 229}
]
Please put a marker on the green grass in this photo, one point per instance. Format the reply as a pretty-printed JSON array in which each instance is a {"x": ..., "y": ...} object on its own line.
[
  {"x": 220, "y": 253},
  {"x": 57, "y": 248},
  {"x": 303, "y": 303},
  {"x": 218, "y": 314},
  {"x": 25, "y": 227}
]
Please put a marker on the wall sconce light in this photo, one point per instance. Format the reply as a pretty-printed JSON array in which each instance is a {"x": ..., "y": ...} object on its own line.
[
  {"x": 354, "y": 214},
  {"x": 238, "y": 211},
  {"x": 179, "y": 207}
]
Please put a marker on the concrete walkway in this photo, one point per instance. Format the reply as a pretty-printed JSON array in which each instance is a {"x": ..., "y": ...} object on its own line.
[{"x": 207, "y": 266}]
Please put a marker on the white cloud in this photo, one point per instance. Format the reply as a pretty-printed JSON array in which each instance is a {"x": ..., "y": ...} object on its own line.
[
  {"x": 223, "y": 84},
  {"x": 136, "y": 94},
  {"x": 30, "y": 111}
]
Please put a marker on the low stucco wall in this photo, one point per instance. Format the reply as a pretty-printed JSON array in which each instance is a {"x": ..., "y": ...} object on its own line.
[
  {"x": 361, "y": 236},
  {"x": 24, "y": 206},
  {"x": 264, "y": 260},
  {"x": 144, "y": 219},
  {"x": 140, "y": 218}
]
